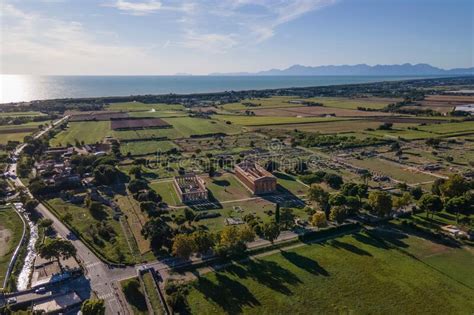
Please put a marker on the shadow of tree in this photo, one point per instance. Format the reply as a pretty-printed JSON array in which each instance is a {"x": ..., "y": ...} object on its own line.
[
  {"x": 221, "y": 182},
  {"x": 349, "y": 247},
  {"x": 305, "y": 263},
  {"x": 229, "y": 294}
]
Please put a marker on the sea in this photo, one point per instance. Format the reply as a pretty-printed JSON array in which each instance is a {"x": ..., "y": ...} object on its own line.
[{"x": 25, "y": 88}]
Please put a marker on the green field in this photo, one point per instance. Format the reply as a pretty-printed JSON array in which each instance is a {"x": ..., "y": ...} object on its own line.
[
  {"x": 271, "y": 102},
  {"x": 11, "y": 230},
  {"x": 159, "y": 113},
  {"x": 393, "y": 170},
  {"x": 188, "y": 126},
  {"x": 88, "y": 131},
  {"x": 134, "y": 295},
  {"x": 145, "y": 147},
  {"x": 20, "y": 114},
  {"x": 353, "y": 103},
  {"x": 17, "y": 136},
  {"x": 167, "y": 191},
  {"x": 87, "y": 226},
  {"x": 138, "y": 106},
  {"x": 448, "y": 128},
  {"x": 334, "y": 278},
  {"x": 226, "y": 187},
  {"x": 269, "y": 120},
  {"x": 290, "y": 184},
  {"x": 152, "y": 293}
]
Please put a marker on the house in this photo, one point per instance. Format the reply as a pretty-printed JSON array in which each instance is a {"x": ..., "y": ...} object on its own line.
[
  {"x": 256, "y": 178},
  {"x": 190, "y": 188}
]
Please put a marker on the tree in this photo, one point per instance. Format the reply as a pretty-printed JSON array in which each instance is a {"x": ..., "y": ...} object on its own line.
[
  {"x": 202, "y": 241},
  {"x": 317, "y": 194},
  {"x": 333, "y": 180},
  {"x": 212, "y": 171},
  {"x": 158, "y": 231},
  {"x": 430, "y": 203},
  {"x": 57, "y": 248},
  {"x": 337, "y": 199},
  {"x": 287, "y": 218},
  {"x": 93, "y": 307},
  {"x": 338, "y": 214},
  {"x": 136, "y": 171},
  {"x": 402, "y": 201},
  {"x": 31, "y": 205},
  {"x": 318, "y": 219},
  {"x": 454, "y": 186},
  {"x": 416, "y": 192},
  {"x": 189, "y": 215},
  {"x": 47, "y": 225},
  {"x": 96, "y": 209},
  {"x": 271, "y": 231},
  {"x": 355, "y": 190},
  {"x": 380, "y": 203},
  {"x": 135, "y": 185},
  {"x": 182, "y": 246},
  {"x": 277, "y": 213},
  {"x": 461, "y": 204},
  {"x": 436, "y": 187}
]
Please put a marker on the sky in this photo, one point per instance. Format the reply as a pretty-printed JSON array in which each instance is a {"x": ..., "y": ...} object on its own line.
[{"x": 162, "y": 37}]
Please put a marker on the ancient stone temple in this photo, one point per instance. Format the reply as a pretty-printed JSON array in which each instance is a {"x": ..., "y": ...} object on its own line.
[
  {"x": 256, "y": 178},
  {"x": 190, "y": 188}
]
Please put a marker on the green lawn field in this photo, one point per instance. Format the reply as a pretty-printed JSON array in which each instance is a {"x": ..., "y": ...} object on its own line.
[
  {"x": 138, "y": 106},
  {"x": 134, "y": 295},
  {"x": 353, "y": 103},
  {"x": 270, "y": 120},
  {"x": 88, "y": 131},
  {"x": 20, "y": 114},
  {"x": 87, "y": 225},
  {"x": 198, "y": 126},
  {"x": 270, "y": 102},
  {"x": 11, "y": 229},
  {"x": 145, "y": 147},
  {"x": 152, "y": 293},
  {"x": 167, "y": 191},
  {"x": 226, "y": 187},
  {"x": 331, "y": 278}
]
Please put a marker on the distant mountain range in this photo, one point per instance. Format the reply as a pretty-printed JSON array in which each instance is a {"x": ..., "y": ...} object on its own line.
[{"x": 361, "y": 69}]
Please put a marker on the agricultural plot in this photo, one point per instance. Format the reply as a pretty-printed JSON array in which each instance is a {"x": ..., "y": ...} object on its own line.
[
  {"x": 20, "y": 114},
  {"x": 445, "y": 103},
  {"x": 309, "y": 111},
  {"x": 449, "y": 128},
  {"x": 189, "y": 126},
  {"x": 288, "y": 281},
  {"x": 159, "y": 113},
  {"x": 114, "y": 248},
  {"x": 88, "y": 131},
  {"x": 271, "y": 102},
  {"x": 17, "y": 132},
  {"x": 354, "y": 103},
  {"x": 145, "y": 147},
  {"x": 268, "y": 120},
  {"x": 11, "y": 230},
  {"x": 395, "y": 133},
  {"x": 138, "y": 106},
  {"x": 138, "y": 123},
  {"x": 347, "y": 126},
  {"x": 170, "y": 133}
]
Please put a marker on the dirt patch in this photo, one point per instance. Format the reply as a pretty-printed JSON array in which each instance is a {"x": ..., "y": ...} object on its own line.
[{"x": 5, "y": 236}]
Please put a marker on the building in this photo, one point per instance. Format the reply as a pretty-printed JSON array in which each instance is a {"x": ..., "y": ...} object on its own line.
[
  {"x": 256, "y": 178},
  {"x": 190, "y": 188}
]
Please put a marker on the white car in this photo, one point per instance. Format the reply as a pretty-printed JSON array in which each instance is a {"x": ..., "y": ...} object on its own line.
[{"x": 11, "y": 300}]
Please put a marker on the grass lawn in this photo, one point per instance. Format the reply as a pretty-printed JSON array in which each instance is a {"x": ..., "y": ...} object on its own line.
[
  {"x": 353, "y": 103},
  {"x": 133, "y": 292},
  {"x": 289, "y": 183},
  {"x": 87, "y": 226},
  {"x": 136, "y": 219},
  {"x": 145, "y": 147},
  {"x": 17, "y": 136},
  {"x": 448, "y": 128},
  {"x": 11, "y": 229},
  {"x": 333, "y": 277},
  {"x": 152, "y": 293},
  {"x": 226, "y": 187},
  {"x": 198, "y": 126},
  {"x": 88, "y": 131},
  {"x": 393, "y": 170},
  {"x": 138, "y": 106},
  {"x": 167, "y": 191},
  {"x": 270, "y": 120},
  {"x": 20, "y": 114}
]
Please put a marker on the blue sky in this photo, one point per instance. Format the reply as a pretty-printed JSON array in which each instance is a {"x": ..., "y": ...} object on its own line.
[{"x": 199, "y": 37}]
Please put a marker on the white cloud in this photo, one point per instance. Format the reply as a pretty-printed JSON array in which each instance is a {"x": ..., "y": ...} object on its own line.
[
  {"x": 148, "y": 7},
  {"x": 210, "y": 42},
  {"x": 36, "y": 44}
]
